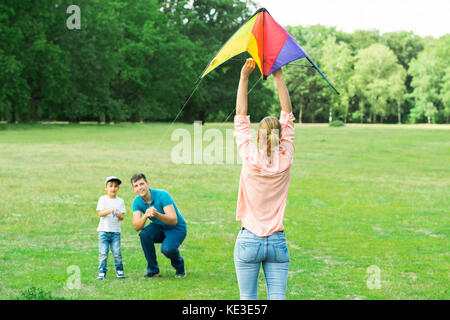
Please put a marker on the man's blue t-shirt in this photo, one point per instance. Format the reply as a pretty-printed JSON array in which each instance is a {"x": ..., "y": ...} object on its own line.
[{"x": 159, "y": 200}]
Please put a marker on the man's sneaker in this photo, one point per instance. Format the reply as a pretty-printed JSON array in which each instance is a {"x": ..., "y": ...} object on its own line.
[
  {"x": 120, "y": 274},
  {"x": 151, "y": 275},
  {"x": 180, "y": 273},
  {"x": 101, "y": 276}
]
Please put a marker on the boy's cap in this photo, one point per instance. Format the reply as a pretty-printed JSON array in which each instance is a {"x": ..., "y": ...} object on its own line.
[{"x": 112, "y": 178}]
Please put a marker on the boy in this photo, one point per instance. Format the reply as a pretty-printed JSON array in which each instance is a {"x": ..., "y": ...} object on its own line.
[{"x": 111, "y": 210}]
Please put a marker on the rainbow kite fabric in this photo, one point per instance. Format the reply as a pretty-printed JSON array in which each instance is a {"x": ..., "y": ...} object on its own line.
[{"x": 269, "y": 44}]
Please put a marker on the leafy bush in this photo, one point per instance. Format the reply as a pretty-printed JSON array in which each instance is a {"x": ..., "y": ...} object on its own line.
[
  {"x": 337, "y": 123},
  {"x": 34, "y": 293}
]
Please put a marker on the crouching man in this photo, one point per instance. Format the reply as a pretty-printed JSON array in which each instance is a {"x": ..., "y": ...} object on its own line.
[{"x": 167, "y": 225}]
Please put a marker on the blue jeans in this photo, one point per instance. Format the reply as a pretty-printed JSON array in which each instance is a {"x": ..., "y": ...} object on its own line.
[
  {"x": 250, "y": 251},
  {"x": 170, "y": 237},
  {"x": 106, "y": 240}
]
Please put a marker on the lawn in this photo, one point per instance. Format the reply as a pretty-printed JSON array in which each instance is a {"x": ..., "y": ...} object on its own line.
[{"x": 360, "y": 196}]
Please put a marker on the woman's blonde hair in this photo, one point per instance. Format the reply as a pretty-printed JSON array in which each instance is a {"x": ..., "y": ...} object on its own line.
[{"x": 270, "y": 128}]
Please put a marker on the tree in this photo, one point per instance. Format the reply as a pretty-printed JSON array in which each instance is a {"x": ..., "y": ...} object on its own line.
[
  {"x": 443, "y": 56},
  {"x": 445, "y": 94},
  {"x": 37, "y": 66},
  {"x": 405, "y": 45},
  {"x": 93, "y": 59},
  {"x": 338, "y": 65},
  {"x": 376, "y": 72},
  {"x": 155, "y": 63},
  {"x": 208, "y": 25},
  {"x": 139, "y": 60},
  {"x": 426, "y": 83},
  {"x": 46, "y": 70},
  {"x": 362, "y": 39},
  {"x": 310, "y": 94},
  {"x": 14, "y": 90},
  {"x": 397, "y": 93}
]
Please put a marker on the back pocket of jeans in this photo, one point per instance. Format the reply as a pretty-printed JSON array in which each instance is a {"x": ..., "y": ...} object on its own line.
[
  {"x": 248, "y": 251},
  {"x": 281, "y": 252}
]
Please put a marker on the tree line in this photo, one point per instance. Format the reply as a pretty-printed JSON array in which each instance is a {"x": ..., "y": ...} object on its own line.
[{"x": 139, "y": 60}]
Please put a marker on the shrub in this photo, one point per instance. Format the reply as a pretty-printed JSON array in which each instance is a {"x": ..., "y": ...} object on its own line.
[
  {"x": 34, "y": 293},
  {"x": 337, "y": 123}
]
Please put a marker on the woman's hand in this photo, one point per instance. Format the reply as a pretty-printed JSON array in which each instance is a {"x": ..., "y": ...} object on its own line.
[
  {"x": 283, "y": 93},
  {"x": 248, "y": 68},
  {"x": 241, "y": 98}
]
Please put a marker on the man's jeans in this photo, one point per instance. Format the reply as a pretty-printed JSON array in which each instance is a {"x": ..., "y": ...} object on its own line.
[
  {"x": 170, "y": 237},
  {"x": 250, "y": 252},
  {"x": 106, "y": 240}
]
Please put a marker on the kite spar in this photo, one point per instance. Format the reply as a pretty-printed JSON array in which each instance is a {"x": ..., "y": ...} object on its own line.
[{"x": 269, "y": 44}]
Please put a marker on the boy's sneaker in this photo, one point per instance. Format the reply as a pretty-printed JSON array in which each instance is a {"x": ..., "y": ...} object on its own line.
[
  {"x": 120, "y": 274},
  {"x": 101, "y": 276},
  {"x": 152, "y": 275},
  {"x": 180, "y": 273}
]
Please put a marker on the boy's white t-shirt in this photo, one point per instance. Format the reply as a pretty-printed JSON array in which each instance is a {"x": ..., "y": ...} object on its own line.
[{"x": 110, "y": 222}]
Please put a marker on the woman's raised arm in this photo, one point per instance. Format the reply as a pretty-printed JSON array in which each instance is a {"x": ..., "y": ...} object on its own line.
[
  {"x": 285, "y": 99},
  {"x": 241, "y": 99}
]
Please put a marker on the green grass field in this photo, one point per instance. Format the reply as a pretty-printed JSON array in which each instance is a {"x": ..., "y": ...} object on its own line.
[{"x": 359, "y": 197}]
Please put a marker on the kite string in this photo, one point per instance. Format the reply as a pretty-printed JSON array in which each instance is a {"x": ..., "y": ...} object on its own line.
[
  {"x": 256, "y": 82},
  {"x": 198, "y": 83},
  {"x": 179, "y": 112},
  {"x": 189, "y": 98},
  {"x": 290, "y": 63}
]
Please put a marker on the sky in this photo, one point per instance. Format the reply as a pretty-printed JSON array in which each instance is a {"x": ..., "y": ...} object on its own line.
[{"x": 423, "y": 17}]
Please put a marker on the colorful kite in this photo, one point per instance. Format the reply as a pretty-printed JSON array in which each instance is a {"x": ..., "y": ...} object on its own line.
[{"x": 269, "y": 44}]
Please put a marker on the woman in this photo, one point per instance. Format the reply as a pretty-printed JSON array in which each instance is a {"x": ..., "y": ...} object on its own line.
[{"x": 263, "y": 189}]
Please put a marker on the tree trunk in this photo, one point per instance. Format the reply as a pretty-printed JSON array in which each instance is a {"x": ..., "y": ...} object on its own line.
[
  {"x": 202, "y": 116},
  {"x": 330, "y": 115},
  {"x": 300, "y": 114},
  {"x": 35, "y": 113},
  {"x": 13, "y": 114},
  {"x": 399, "y": 114},
  {"x": 102, "y": 117},
  {"x": 429, "y": 120},
  {"x": 186, "y": 115}
]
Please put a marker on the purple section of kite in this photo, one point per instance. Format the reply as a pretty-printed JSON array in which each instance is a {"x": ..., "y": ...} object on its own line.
[
  {"x": 294, "y": 49},
  {"x": 291, "y": 51}
]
